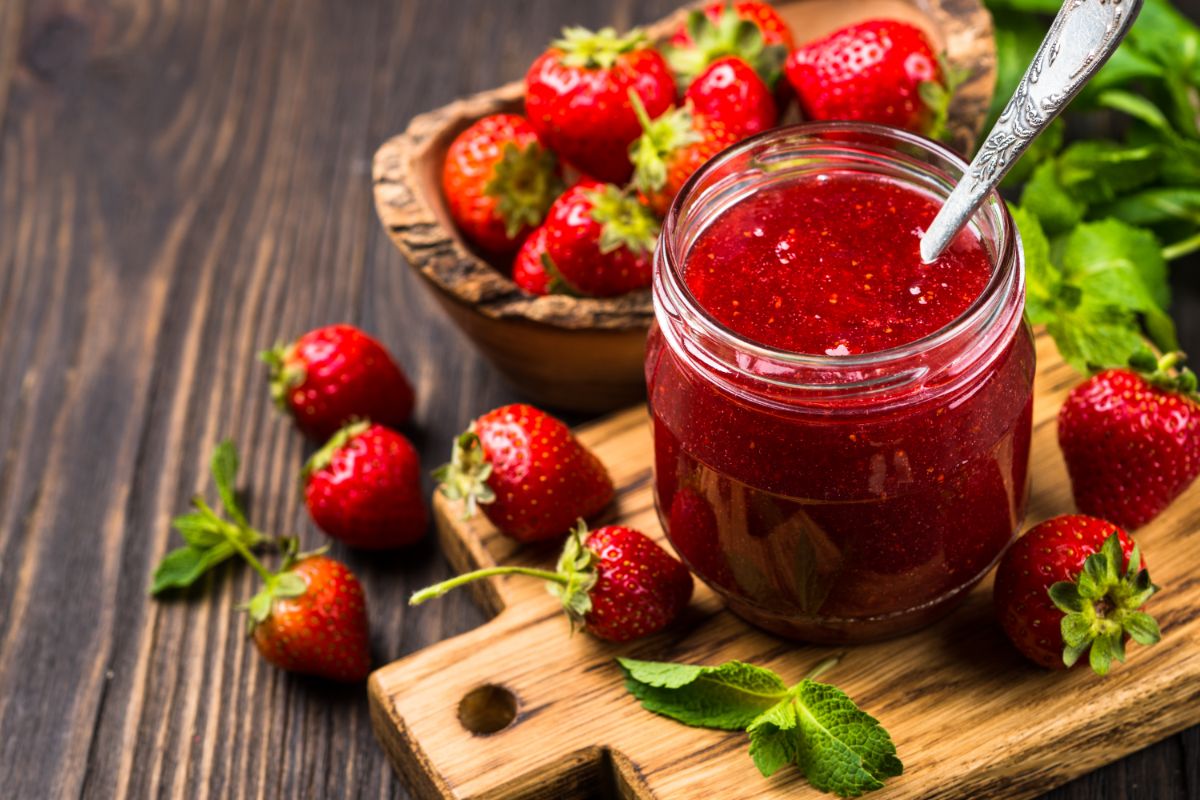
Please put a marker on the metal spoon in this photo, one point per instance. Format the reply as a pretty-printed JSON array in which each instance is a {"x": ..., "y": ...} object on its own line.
[{"x": 1084, "y": 34}]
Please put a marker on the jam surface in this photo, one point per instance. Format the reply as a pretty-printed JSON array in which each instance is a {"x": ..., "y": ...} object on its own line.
[
  {"x": 832, "y": 266},
  {"x": 842, "y": 522}
]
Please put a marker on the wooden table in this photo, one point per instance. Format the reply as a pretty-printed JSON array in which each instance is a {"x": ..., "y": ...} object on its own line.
[{"x": 182, "y": 183}]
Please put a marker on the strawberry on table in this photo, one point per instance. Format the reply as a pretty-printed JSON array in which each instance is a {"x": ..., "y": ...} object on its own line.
[
  {"x": 599, "y": 240},
  {"x": 1131, "y": 439},
  {"x": 750, "y": 30},
  {"x": 614, "y": 581},
  {"x": 869, "y": 72},
  {"x": 311, "y": 618},
  {"x": 730, "y": 92},
  {"x": 499, "y": 181},
  {"x": 334, "y": 375},
  {"x": 1074, "y": 584},
  {"x": 364, "y": 488},
  {"x": 529, "y": 271},
  {"x": 527, "y": 471},
  {"x": 577, "y": 97}
]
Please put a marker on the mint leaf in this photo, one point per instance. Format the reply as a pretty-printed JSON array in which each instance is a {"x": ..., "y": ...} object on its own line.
[
  {"x": 773, "y": 737},
  {"x": 1042, "y": 275},
  {"x": 183, "y": 567},
  {"x": 1045, "y": 197},
  {"x": 224, "y": 471},
  {"x": 727, "y": 697},
  {"x": 199, "y": 529},
  {"x": 1157, "y": 206},
  {"x": 1100, "y": 169}
]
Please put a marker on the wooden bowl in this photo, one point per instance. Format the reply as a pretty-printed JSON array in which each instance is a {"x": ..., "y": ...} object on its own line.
[{"x": 585, "y": 354}]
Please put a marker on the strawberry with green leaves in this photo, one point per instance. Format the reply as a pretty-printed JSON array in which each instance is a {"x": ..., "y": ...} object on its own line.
[
  {"x": 614, "y": 581},
  {"x": 1074, "y": 584},
  {"x": 528, "y": 473},
  {"x": 364, "y": 488},
  {"x": 337, "y": 374},
  {"x": 499, "y": 181},
  {"x": 870, "y": 72},
  {"x": 1131, "y": 439},
  {"x": 599, "y": 241},
  {"x": 749, "y": 30},
  {"x": 577, "y": 97}
]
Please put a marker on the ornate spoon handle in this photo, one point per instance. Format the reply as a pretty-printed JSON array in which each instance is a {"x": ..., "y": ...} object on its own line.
[{"x": 1084, "y": 34}]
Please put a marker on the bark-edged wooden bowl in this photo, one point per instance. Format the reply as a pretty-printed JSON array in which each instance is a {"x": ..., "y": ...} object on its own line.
[{"x": 585, "y": 354}]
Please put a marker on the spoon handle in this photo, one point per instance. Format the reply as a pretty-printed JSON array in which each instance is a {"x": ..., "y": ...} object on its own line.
[{"x": 1084, "y": 34}]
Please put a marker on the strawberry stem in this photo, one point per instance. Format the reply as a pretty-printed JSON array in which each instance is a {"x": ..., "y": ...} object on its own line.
[
  {"x": 236, "y": 542},
  {"x": 439, "y": 589}
]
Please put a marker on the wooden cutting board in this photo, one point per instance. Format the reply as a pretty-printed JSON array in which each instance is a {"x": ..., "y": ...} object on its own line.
[{"x": 969, "y": 716}]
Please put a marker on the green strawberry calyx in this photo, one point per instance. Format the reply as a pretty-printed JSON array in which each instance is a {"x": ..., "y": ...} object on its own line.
[
  {"x": 465, "y": 477},
  {"x": 322, "y": 458},
  {"x": 1165, "y": 372},
  {"x": 624, "y": 222},
  {"x": 729, "y": 35},
  {"x": 660, "y": 137},
  {"x": 524, "y": 183},
  {"x": 287, "y": 372},
  {"x": 1101, "y": 607},
  {"x": 571, "y": 582},
  {"x": 587, "y": 49},
  {"x": 280, "y": 585}
]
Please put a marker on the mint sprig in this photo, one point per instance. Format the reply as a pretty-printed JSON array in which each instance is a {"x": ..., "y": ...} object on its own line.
[{"x": 838, "y": 747}]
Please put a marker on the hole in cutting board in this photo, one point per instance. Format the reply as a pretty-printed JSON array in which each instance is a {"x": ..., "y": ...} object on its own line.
[{"x": 487, "y": 709}]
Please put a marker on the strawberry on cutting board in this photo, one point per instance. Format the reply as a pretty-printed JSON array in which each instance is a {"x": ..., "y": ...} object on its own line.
[
  {"x": 1131, "y": 439},
  {"x": 599, "y": 241},
  {"x": 364, "y": 488},
  {"x": 528, "y": 473},
  {"x": 749, "y": 30},
  {"x": 614, "y": 581},
  {"x": 1074, "y": 584},
  {"x": 311, "y": 618},
  {"x": 870, "y": 72},
  {"x": 577, "y": 97},
  {"x": 334, "y": 375},
  {"x": 499, "y": 181}
]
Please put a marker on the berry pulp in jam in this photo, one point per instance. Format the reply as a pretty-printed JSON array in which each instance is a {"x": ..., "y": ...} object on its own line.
[{"x": 847, "y": 518}]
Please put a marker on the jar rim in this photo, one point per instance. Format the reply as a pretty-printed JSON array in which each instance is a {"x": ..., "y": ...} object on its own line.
[{"x": 1005, "y": 265}]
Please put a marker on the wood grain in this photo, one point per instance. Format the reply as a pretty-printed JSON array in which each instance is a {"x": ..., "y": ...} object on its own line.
[
  {"x": 571, "y": 705},
  {"x": 181, "y": 183}
]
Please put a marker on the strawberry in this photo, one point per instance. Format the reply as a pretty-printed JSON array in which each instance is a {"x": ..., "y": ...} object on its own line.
[
  {"x": 529, "y": 271},
  {"x": 730, "y": 92},
  {"x": 499, "y": 181},
  {"x": 673, "y": 147},
  {"x": 364, "y": 488},
  {"x": 751, "y": 30},
  {"x": 577, "y": 97},
  {"x": 527, "y": 470},
  {"x": 311, "y": 618},
  {"x": 614, "y": 581},
  {"x": 599, "y": 240},
  {"x": 870, "y": 72},
  {"x": 1131, "y": 439},
  {"x": 334, "y": 375},
  {"x": 1073, "y": 584}
]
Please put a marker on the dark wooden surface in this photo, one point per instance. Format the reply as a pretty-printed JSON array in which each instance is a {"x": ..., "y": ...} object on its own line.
[{"x": 182, "y": 183}]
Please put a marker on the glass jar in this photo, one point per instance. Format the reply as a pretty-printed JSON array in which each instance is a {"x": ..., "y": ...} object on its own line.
[{"x": 849, "y": 497}]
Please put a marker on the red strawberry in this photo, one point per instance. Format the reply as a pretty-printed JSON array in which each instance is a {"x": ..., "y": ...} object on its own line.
[
  {"x": 529, "y": 271},
  {"x": 311, "y": 618},
  {"x": 499, "y": 181},
  {"x": 732, "y": 93},
  {"x": 1071, "y": 584},
  {"x": 614, "y": 581},
  {"x": 334, "y": 375},
  {"x": 364, "y": 488},
  {"x": 599, "y": 240},
  {"x": 577, "y": 97},
  {"x": 528, "y": 471},
  {"x": 1131, "y": 439},
  {"x": 870, "y": 72},
  {"x": 751, "y": 30}
]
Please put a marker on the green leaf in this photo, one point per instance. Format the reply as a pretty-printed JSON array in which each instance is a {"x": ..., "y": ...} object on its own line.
[
  {"x": 1076, "y": 630},
  {"x": 183, "y": 567},
  {"x": 224, "y": 471},
  {"x": 1066, "y": 597},
  {"x": 1100, "y": 170},
  {"x": 1142, "y": 628},
  {"x": 289, "y": 584},
  {"x": 843, "y": 749},
  {"x": 199, "y": 529},
  {"x": 1045, "y": 197},
  {"x": 1137, "y": 106},
  {"x": 1117, "y": 263},
  {"x": 727, "y": 697},
  {"x": 1156, "y": 206},
  {"x": 772, "y": 737},
  {"x": 1042, "y": 275}
]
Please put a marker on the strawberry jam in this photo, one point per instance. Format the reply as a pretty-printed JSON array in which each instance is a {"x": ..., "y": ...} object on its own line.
[{"x": 841, "y": 431}]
